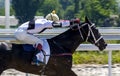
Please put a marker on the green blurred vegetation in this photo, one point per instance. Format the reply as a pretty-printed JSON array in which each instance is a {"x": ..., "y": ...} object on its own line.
[
  {"x": 97, "y": 10},
  {"x": 95, "y": 57},
  {"x": 26, "y": 10}
]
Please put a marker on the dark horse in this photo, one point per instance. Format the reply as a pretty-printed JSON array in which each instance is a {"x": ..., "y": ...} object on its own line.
[{"x": 62, "y": 47}]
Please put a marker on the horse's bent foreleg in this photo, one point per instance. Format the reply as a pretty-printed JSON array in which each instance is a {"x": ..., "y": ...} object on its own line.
[
  {"x": 64, "y": 66},
  {"x": 2, "y": 67},
  {"x": 66, "y": 72},
  {"x": 1, "y": 71}
]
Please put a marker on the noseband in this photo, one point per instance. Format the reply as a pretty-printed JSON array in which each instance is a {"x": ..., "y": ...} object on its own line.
[{"x": 90, "y": 31}]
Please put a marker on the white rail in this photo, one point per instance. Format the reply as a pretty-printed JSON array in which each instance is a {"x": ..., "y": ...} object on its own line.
[
  {"x": 109, "y": 48},
  {"x": 58, "y": 30},
  {"x": 91, "y": 47},
  {"x": 108, "y": 34}
]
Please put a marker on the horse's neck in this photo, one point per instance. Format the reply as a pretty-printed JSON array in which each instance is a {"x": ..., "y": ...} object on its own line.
[{"x": 70, "y": 40}]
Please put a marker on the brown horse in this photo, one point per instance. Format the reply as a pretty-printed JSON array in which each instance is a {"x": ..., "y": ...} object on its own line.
[{"x": 62, "y": 47}]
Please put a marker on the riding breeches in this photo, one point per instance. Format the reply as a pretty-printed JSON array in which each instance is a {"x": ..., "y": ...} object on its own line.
[{"x": 25, "y": 37}]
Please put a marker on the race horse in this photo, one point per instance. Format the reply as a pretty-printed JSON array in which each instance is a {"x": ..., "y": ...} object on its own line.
[{"x": 62, "y": 47}]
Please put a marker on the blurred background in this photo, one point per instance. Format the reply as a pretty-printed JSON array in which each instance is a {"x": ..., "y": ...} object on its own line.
[{"x": 105, "y": 13}]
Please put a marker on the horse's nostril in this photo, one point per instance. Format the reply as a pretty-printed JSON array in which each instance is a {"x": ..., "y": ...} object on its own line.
[{"x": 105, "y": 45}]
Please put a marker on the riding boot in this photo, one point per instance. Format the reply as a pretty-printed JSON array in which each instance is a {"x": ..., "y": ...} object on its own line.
[{"x": 38, "y": 57}]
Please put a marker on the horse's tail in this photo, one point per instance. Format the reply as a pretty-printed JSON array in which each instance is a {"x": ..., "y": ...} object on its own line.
[
  {"x": 5, "y": 46},
  {"x": 4, "y": 49}
]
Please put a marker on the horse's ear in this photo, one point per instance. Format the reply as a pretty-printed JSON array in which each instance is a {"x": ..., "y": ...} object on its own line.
[{"x": 87, "y": 20}]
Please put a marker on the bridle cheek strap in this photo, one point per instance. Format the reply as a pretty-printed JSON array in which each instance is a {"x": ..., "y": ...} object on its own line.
[
  {"x": 90, "y": 31},
  {"x": 98, "y": 39},
  {"x": 80, "y": 32}
]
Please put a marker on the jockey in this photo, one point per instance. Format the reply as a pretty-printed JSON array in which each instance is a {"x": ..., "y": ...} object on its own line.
[
  {"x": 25, "y": 32},
  {"x": 52, "y": 16}
]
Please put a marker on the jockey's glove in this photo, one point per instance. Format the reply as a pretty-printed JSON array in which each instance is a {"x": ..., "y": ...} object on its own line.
[{"x": 74, "y": 21}]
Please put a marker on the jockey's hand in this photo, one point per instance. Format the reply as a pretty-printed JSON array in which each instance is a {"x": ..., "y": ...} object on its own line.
[{"x": 74, "y": 21}]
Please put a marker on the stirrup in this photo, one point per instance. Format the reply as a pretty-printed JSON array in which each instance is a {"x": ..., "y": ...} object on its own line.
[
  {"x": 38, "y": 63},
  {"x": 35, "y": 61}
]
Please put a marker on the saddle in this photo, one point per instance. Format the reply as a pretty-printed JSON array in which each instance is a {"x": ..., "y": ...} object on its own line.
[{"x": 28, "y": 47}]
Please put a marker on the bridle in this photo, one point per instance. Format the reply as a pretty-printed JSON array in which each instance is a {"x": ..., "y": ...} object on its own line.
[{"x": 90, "y": 31}]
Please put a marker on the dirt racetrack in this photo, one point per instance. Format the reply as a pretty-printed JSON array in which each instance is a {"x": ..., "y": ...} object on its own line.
[{"x": 80, "y": 70}]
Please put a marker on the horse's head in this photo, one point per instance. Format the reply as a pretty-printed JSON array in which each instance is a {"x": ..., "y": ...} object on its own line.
[{"x": 90, "y": 33}]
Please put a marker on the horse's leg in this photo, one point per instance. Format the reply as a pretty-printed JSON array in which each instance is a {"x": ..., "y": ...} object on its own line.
[
  {"x": 65, "y": 72},
  {"x": 51, "y": 71},
  {"x": 1, "y": 71},
  {"x": 69, "y": 72},
  {"x": 64, "y": 66},
  {"x": 3, "y": 67}
]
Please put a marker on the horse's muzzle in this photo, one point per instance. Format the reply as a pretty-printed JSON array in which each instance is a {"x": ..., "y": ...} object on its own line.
[{"x": 102, "y": 47}]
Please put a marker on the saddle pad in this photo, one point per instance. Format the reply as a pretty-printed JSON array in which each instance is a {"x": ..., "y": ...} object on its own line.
[
  {"x": 46, "y": 48},
  {"x": 28, "y": 47}
]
